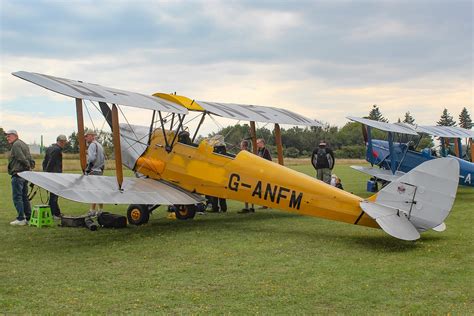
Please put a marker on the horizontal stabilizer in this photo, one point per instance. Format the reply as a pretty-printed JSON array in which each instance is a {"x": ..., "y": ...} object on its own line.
[
  {"x": 420, "y": 199},
  {"x": 379, "y": 173},
  {"x": 103, "y": 189},
  {"x": 392, "y": 221}
]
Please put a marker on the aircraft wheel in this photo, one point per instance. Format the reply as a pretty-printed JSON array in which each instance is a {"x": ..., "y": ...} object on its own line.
[
  {"x": 138, "y": 214},
  {"x": 185, "y": 211}
]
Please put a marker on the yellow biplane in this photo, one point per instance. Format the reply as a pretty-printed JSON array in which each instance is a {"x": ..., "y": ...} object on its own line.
[{"x": 172, "y": 172}]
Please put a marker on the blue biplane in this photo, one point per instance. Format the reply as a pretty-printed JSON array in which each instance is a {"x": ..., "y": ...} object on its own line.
[{"x": 396, "y": 158}]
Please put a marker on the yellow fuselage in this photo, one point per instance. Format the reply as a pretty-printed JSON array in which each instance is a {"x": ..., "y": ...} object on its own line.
[{"x": 248, "y": 178}]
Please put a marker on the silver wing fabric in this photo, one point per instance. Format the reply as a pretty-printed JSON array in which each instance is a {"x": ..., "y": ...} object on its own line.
[
  {"x": 388, "y": 127},
  {"x": 379, "y": 173},
  {"x": 257, "y": 113},
  {"x": 95, "y": 92},
  {"x": 104, "y": 189},
  {"x": 446, "y": 131}
]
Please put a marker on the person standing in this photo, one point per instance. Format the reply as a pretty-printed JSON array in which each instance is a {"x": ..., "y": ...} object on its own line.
[
  {"x": 244, "y": 145},
  {"x": 323, "y": 161},
  {"x": 19, "y": 160},
  {"x": 262, "y": 151},
  {"x": 53, "y": 162},
  {"x": 95, "y": 163}
]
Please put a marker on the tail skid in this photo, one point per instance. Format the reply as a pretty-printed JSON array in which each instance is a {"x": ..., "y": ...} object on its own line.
[{"x": 417, "y": 201}]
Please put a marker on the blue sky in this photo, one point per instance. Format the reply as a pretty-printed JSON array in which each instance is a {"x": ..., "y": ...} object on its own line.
[{"x": 323, "y": 59}]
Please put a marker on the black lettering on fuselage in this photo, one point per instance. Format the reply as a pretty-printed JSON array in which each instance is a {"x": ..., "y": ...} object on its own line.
[
  {"x": 295, "y": 202},
  {"x": 267, "y": 191},
  {"x": 281, "y": 195},
  {"x": 258, "y": 190},
  {"x": 270, "y": 192},
  {"x": 234, "y": 182}
]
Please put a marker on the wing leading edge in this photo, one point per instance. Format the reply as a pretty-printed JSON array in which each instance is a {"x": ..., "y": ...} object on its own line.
[{"x": 95, "y": 92}]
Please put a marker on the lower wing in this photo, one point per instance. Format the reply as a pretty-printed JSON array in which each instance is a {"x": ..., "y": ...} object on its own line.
[{"x": 103, "y": 189}]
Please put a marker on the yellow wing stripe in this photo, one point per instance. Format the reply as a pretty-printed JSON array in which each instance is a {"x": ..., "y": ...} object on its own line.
[{"x": 181, "y": 100}]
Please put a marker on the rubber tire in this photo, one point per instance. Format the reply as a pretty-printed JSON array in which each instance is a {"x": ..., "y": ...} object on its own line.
[
  {"x": 185, "y": 211},
  {"x": 138, "y": 214}
]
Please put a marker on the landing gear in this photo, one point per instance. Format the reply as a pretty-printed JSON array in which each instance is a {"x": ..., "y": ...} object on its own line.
[
  {"x": 185, "y": 211},
  {"x": 138, "y": 214}
]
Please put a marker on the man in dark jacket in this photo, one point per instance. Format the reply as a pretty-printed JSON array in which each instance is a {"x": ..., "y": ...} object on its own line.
[
  {"x": 323, "y": 161},
  {"x": 19, "y": 160},
  {"x": 53, "y": 162}
]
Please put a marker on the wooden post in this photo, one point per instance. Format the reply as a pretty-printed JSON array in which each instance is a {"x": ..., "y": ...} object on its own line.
[
  {"x": 80, "y": 134},
  {"x": 117, "y": 149},
  {"x": 278, "y": 143},
  {"x": 253, "y": 134},
  {"x": 456, "y": 147}
]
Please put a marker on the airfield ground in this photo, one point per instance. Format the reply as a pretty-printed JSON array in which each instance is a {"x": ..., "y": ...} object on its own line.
[{"x": 270, "y": 262}]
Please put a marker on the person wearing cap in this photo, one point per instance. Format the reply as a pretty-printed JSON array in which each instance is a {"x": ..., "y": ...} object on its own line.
[
  {"x": 19, "y": 160},
  {"x": 323, "y": 161},
  {"x": 53, "y": 162},
  {"x": 95, "y": 162}
]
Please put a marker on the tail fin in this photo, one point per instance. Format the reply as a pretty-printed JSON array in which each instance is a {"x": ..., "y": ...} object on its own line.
[{"x": 417, "y": 201}]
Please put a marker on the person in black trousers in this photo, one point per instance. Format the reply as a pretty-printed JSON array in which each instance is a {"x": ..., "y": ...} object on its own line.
[{"x": 53, "y": 162}]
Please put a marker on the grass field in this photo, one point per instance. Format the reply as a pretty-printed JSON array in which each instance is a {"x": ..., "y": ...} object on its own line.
[{"x": 270, "y": 262}]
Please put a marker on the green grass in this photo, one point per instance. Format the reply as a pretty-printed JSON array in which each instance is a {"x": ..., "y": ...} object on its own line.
[{"x": 270, "y": 262}]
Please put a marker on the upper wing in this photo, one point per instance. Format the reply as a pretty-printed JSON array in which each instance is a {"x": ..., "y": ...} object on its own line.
[
  {"x": 257, "y": 113},
  {"x": 95, "y": 92},
  {"x": 388, "y": 127},
  {"x": 102, "y": 189},
  {"x": 379, "y": 173},
  {"x": 446, "y": 131}
]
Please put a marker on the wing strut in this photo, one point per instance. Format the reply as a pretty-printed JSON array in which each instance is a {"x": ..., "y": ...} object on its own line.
[
  {"x": 278, "y": 143},
  {"x": 80, "y": 134},
  {"x": 253, "y": 134},
  {"x": 151, "y": 127},
  {"x": 200, "y": 123},
  {"x": 117, "y": 149}
]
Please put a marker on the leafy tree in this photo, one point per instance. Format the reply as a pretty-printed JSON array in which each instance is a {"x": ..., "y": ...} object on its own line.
[
  {"x": 465, "y": 119},
  {"x": 291, "y": 152},
  {"x": 408, "y": 118},
  {"x": 72, "y": 145},
  {"x": 446, "y": 119},
  {"x": 376, "y": 115},
  {"x": 4, "y": 146}
]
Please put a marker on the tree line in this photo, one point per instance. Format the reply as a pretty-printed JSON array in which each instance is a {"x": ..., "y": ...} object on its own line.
[{"x": 347, "y": 141}]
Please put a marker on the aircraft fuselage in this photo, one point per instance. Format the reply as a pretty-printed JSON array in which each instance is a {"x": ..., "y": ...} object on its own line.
[
  {"x": 410, "y": 160},
  {"x": 248, "y": 178}
]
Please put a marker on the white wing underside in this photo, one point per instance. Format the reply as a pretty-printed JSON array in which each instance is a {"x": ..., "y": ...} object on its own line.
[
  {"x": 104, "y": 189},
  {"x": 379, "y": 173}
]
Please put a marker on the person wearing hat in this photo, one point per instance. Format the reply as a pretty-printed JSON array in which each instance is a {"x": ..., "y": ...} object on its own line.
[
  {"x": 19, "y": 160},
  {"x": 53, "y": 162},
  {"x": 95, "y": 162},
  {"x": 323, "y": 161}
]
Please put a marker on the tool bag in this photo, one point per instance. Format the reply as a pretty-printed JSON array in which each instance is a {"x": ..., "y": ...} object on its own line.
[
  {"x": 109, "y": 220},
  {"x": 73, "y": 221}
]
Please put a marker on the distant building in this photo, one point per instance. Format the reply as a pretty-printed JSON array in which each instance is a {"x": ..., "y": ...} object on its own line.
[{"x": 35, "y": 148}]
